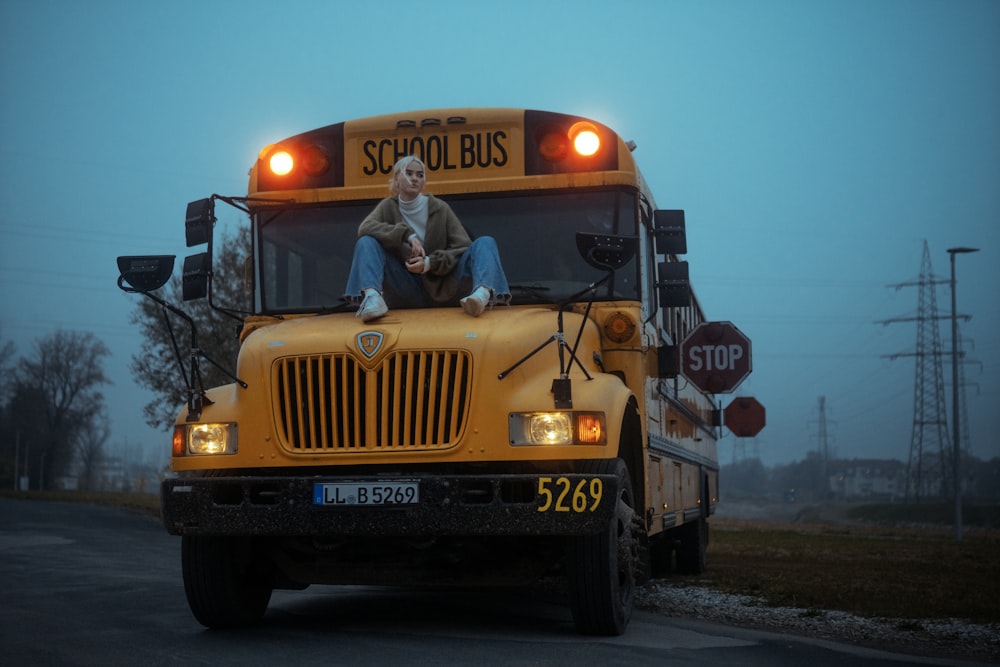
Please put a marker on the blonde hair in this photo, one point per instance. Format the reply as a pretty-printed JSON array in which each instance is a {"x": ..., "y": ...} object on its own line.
[{"x": 401, "y": 165}]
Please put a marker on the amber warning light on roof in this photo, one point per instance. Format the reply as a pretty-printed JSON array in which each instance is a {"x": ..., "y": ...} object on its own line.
[
  {"x": 555, "y": 143},
  {"x": 585, "y": 139},
  {"x": 281, "y": 163},
  {"x": 310, "y": 159}
]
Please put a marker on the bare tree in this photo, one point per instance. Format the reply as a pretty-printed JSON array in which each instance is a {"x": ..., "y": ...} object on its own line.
[
  {"x": 89, "y": 441},
  {"x": 157, "y": 366},
  {"x": 6, "y": 360},
  {"x": 10, "y": 463},
  {"x": 58, "y": 393}
]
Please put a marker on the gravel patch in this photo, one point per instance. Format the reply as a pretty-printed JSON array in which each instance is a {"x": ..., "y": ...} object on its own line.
[{"x": 952, "y": 638}]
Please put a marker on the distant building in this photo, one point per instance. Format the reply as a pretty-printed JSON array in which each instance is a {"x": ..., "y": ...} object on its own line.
[
  {"x": 867, "y": 479},
  {"x": 111, "y": 475}
]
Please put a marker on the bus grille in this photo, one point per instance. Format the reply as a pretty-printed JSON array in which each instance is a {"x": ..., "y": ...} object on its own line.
[{"x": 411, "y": 401}]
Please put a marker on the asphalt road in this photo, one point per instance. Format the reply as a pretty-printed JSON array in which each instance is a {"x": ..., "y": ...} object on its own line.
[{"x": 88, "y": 585}]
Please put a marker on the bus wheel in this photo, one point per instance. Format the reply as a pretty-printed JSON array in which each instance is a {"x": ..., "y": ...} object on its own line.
[
  {"x": 602, "y": 568},
  {"x": 223, "y": 581}
]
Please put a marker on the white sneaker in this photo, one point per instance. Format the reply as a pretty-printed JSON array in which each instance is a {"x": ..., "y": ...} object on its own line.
[
  {"x": 373, "y": 307},
  {"x": 476, "y": 303}
]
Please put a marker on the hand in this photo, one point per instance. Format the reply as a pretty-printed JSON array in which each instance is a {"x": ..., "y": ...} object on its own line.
[
  {"x": 416, "y": 248},
  {"x": 415, "y": 264}
]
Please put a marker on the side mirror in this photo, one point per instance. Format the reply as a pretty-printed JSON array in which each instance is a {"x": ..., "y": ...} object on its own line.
[
  {"x": 197, "y": 269},
  {"x": 145, "y": 273},
  {"x": 199, "y": 222},
  {"x": 673, "y": 284},
  {"x": 669, "y": 232},
  {"x": 605, "y": 251}
]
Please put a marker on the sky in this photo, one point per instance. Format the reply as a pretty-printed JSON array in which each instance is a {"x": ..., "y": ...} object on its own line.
[{"x": 815, "y": 146}]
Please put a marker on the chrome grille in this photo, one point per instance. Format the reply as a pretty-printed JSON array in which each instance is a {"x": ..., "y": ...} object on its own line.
[{"x": 411, "y": 401}]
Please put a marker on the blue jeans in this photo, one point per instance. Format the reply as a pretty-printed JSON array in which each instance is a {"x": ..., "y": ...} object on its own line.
[{"x": 374, "y": 268}]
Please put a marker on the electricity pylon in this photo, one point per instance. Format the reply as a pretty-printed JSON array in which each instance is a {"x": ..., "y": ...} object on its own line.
[{"x": 928, "y": 471}]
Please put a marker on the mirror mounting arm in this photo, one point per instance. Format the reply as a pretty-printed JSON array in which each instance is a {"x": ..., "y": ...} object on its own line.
[
  {"x": 602, "y": 251},
  {"x": 127, "y": 282}
]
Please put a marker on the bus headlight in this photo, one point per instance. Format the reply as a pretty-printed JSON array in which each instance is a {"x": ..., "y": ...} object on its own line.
[
  {"x": 558, "y": 428},
  {"x": 201, "y": 439}
]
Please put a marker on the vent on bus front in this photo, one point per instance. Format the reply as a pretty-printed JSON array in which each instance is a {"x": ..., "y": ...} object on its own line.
[{"x": 412, "y": 401}]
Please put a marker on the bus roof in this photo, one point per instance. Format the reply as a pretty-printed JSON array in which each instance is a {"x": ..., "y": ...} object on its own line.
[{"x": 465, "y": 150}]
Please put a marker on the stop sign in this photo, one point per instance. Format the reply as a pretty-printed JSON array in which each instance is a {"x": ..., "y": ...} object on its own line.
[
  {"x": 745, "y": 417},
  {"x": 715, "y": 357}
]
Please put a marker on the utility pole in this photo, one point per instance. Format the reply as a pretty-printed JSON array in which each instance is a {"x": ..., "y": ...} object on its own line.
[
  {"x": 17, "y": 460},
  {"x": 824, "y": 448},
  {"x": 957, "y": 449}
]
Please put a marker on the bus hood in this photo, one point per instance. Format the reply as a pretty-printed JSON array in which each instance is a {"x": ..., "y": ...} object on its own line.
[{"x": 506, "y": 340}]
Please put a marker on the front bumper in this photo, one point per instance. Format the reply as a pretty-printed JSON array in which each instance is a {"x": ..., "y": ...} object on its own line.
[{"x": 479, "y": 505}]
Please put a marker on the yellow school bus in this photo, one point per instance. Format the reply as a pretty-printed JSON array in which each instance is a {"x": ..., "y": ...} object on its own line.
[{"x": 550, "y": 435}]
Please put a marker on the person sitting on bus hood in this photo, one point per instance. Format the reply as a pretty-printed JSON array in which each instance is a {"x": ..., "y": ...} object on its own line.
[{"x": 413, "y": 250}]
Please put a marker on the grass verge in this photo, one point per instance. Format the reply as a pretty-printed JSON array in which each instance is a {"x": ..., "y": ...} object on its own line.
[
  {"x": 877, "y": 571},
  {"x": 147, "y": 503}
]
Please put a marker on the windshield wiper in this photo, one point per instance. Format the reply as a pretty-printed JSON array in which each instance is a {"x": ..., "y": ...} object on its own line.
[
  {"x": 531, "y": 288},
  {"x": 341, "y": 307}
]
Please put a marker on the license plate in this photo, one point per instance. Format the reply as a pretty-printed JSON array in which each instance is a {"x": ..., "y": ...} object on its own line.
[{"x": 340, "y": 494}]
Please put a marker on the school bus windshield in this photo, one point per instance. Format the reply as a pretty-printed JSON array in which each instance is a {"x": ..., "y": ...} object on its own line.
[{"x": 305, "y": 252}]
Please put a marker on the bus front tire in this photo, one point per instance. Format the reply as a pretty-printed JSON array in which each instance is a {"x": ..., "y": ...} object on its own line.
[
  {"x": 225, "y": 584},
  {"x": 602, "y": 568}
]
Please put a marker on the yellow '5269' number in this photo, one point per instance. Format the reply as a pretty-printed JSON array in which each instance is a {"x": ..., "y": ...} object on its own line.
[{"x": 560, "y": 495}]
